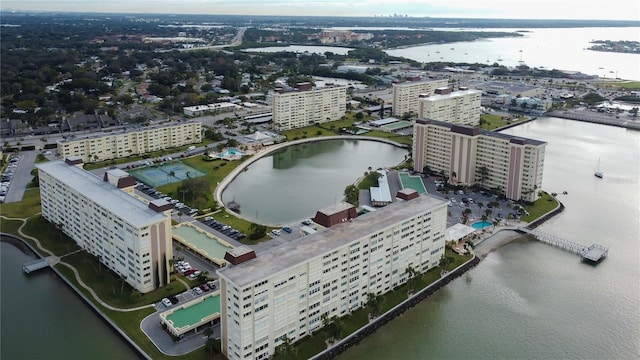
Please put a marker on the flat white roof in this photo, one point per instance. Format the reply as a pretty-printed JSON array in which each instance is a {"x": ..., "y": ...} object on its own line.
[
  {"x": 381, "y": 192},
  {"x": 326, "y": 240},
  {"x": 116, "y": 201}
]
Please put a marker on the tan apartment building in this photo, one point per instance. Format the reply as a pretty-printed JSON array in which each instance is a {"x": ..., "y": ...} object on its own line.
[
  {"x": 135, "y": 141},
  {"x": 130, "y": 237},
  {"x": 511, "y": 164},
  {"x": 458, "y": 107},
  {"x": 406, "y": 95},
  {"x": 296, "y": 109}
]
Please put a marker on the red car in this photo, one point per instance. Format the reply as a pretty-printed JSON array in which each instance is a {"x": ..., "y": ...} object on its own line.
[
  {"x": 189, "y": 272},
  {"x": 204, "y": 287}
]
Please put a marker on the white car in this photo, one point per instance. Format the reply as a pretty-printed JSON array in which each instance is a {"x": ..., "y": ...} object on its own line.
[
  {"x": 197, "y": 290},
  {"x": 275, "y": 232},
  {"x": 166, "y": 302}
]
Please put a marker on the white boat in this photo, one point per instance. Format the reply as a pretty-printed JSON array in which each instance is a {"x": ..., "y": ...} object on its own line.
[{"x": 598, "y": 173}]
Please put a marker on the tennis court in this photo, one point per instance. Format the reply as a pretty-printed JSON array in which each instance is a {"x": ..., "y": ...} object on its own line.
[
  {"x": 165, "y": 173},
  {"x": 412, "y": 182}
]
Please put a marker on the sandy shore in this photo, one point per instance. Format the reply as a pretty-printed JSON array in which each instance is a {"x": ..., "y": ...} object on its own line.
[{"x": 495, "y": 241}]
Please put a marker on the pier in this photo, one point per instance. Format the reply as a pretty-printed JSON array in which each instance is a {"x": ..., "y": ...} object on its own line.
[
  {"x": 39, "y": 264},
  {"x": 593, "y": 253}
]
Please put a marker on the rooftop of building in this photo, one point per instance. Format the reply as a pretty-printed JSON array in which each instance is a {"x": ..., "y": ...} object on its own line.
[
  {"x": 327, "y": 240},
  {"x": 474, "y": 131},
  {"x": 114, "y": 200},
  {"x": 128, "y": 129},
  {"x": 453, "y": 94}
]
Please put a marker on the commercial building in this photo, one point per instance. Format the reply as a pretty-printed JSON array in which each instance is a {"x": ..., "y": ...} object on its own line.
[
  {"x": 458, "y": 107},
  {"x": 467, "y": 155},
  {"x": 285, "y": 291},
  {"x": 132, "y": 141},
  {"x": 131, "y": 238},
  {"x": 296, "y": 109},
  {"x": 406, "y": 95}
]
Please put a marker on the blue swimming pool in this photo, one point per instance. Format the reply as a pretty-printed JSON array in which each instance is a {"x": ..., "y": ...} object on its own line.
[
  {"x": 481, "y": 224},
  {"x": 230, "y": 152}
]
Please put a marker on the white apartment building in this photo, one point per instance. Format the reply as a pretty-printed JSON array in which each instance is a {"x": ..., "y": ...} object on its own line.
[
  {"x": 129, "y": 237},
  {"x": 406, "y": 95},
  {"x": 136, "y": 141},
  {"x": 298, "y": 109},
  {"x": 513, "y": 165},
  {"x": 458, "y": 107},
  {"x": 284, "y": 292}
]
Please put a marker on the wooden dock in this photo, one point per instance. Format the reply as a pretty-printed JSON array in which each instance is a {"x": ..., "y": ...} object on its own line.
[{"x": 593, "y": 253}]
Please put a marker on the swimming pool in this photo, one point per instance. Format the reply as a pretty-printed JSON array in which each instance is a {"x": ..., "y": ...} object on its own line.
[
  {"x": 230, "y": 152},
  {"x": 481, "y": 224}
]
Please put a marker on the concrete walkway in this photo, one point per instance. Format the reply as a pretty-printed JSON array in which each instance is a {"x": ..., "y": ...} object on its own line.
[{"x": 52, "y": 256}]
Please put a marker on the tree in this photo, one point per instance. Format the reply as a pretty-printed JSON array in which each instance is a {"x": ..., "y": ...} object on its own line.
[
  {"x": 351, "y": 194},
  {"x": 135, "y": 295},
  {"x": 375, "y": 303},
  {"x": 413, "y": 278},
  {"x": 211, "y": 346},
  {"x": 123, "y": 279},
  {"x": 257, "y": 231},
  {"x": 445, "y": 261},
  {"x": 332, "y": 327},
  {"x": 208, "y": 332},
  {"x": 484, "y": 175},
  {"x": 285, "y": 350}
]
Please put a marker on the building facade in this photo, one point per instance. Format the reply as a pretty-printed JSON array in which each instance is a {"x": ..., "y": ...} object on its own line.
[
  {"x": 131, "y": 238},
  {"x": 296, "y": 109},
  {"x": 131, "y": 142},
  {"x": 406, "y": 95},
  {"x": 286, "y": 291},
  {"x": 467, "y": 155},
  {"x": 458, "y": 107}
]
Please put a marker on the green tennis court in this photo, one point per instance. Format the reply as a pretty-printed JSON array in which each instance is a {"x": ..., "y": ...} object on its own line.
[
  {"x": 412, "y": 182},
  {"x": 165, "y": 173}
]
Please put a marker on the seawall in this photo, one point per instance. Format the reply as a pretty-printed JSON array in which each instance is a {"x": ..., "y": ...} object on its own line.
[
  {"x": 92, "y": 306},
  {"x": 393, "y": 313}
]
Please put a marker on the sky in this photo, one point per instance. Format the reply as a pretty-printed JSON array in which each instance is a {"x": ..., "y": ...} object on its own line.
[{"x": 505, "y": 9}]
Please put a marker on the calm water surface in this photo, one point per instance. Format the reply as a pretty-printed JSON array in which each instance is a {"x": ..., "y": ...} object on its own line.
[
  {"x": 529, "y": 300},
  {"x": 43, "y": 319},
  {"x": 293, "y": 183}
]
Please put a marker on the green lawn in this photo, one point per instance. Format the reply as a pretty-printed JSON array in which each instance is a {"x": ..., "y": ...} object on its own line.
[
  {"x": 540, "y": 207},
  {"x": 29, "y": 205},
  {"x": 493, "y": 121}
]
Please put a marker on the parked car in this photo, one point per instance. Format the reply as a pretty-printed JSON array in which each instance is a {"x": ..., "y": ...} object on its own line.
[
  {"x": 275, "y": 232},
  {"x": 197, "y": 290},
  {"x": 174, "y": 300},
  {"x": 166, "y": 302},
  {"x": 204, "y": 287},
  {"x": 287, "y": 229}
]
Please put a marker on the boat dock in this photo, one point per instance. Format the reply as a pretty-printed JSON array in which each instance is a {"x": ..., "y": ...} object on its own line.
[
  {"x": 593, "y": 253},
  {"x": 39, "y": 264}
]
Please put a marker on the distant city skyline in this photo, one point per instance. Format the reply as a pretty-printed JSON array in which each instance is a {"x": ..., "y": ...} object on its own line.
[{"x": 492, "y": 9}]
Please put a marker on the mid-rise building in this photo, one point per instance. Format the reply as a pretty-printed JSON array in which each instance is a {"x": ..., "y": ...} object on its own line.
[
  {"x": 285, "y": 291},
  {"x": 296, "y": 109},
  {"x": 468, "y": 155},
  {"x": 128, "y": 236},
  {"x": 458, "y": 107},
  {"x": 406, "y": 95},
  {"x": 134, "y": 141}
]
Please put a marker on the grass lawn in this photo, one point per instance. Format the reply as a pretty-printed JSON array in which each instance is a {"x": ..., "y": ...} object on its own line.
[
  {"x": 540, "y": 207},
  {"x": 227, "y": 217},
  {"x": 29, "y": 205},
  {"x": 10, "y": 226},
  {"x": 626, "y": 85},
  {"x": 493, "y": 121}
]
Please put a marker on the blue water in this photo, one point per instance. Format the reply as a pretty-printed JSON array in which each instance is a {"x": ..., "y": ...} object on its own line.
[
  {"x": 480, "y": 224},
  {"x": 231, "y": 151}
]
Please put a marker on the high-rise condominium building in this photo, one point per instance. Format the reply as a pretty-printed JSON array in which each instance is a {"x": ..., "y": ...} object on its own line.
[
  {"x": 406, "y": 96},
  {"x": 458, "y": 107},
  {"x": 296, "y": 109},
  {"x": 103, "y": 217},
  {"x": 134, "y": 141},
  {"x": 285, "y": 292},
  {"x": 468, "y": 155}
]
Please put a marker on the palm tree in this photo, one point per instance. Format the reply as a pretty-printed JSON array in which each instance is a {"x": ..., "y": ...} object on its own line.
[
  {"x": 413, "y": 277},
  {"x": 332, "y": 327},
  {"x": 123, "y": 278},
  {"x": 99, "y": 263},
  {"x": 375, "y": 303},
  {"x": 484, "y": 175},
  {"x": 285, "y": 350},
  {"x": 445, "y": 262},
  {"x": 208, "y": 332}
]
